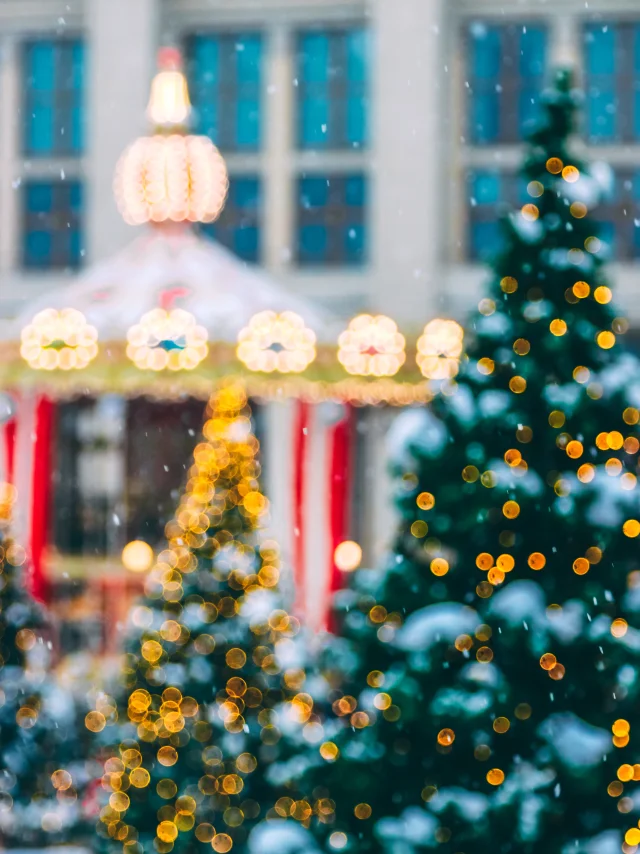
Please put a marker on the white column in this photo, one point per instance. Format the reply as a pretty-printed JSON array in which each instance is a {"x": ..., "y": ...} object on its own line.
[
  {"x": 122, "y": 37},
  {"x": 409, "y": 131},
  {"x": 381, "y": 516},
  {"x": 277, "y": 477},
  {"x": 565, "y": 41},
  {"x": 277, "y": 124},
  {"x": 10, "y": 124}
]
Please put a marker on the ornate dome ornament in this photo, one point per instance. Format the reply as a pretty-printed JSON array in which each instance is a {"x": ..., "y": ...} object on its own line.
[
  {"x": 371, "y": 347},
  {"x": 167, "y": 339},
  {"x": 276, "y": 343},
  {"x": 59, "y": 339},
  {"x": 170, "y": 176},
  {"x": 440, "y": 349}
]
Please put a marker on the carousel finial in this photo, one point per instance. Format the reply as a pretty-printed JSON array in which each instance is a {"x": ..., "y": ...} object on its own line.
[
  {"x": 170, "y": 176},
  {"x": 169, "y": 105}
]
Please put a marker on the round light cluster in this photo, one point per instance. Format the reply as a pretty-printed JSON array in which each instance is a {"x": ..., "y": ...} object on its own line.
[
  {"x": 440, "y": 349},
  {"x": 59, "y": 339},
  {"x": 371, "y": 347},
  {"x": 167, "y": 340},
  {"x": 276, "y": 342},
  {"x": 177, "y": 178}
]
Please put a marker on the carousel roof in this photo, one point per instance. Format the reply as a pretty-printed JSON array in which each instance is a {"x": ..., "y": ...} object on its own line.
[
  {"x": 174, "y": 312},
  {"x": 172, "y": 267}
]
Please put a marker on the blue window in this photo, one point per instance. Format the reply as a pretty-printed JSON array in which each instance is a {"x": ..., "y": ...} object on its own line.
[
  {"x": 618, "y": 217},
  {"x": 332, "y": 81},
  {"x": 53, "y": 98},
  {"x": 225, "y": 73},
  {"x": 52, "y": 236},
  {"x": 331, "y": 220},
  {"x": 489, "y": 195},
  {"x": 612, "y": 81},
  {"x": 239, "y": 225},
  {"x": 506, "y": 66}
]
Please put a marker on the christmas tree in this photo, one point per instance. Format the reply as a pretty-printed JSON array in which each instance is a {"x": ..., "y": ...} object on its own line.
[
  {"x": 210, "y": 670},
  {"x": 41, "y": 764},
  {"x": 485, "y": 696}
]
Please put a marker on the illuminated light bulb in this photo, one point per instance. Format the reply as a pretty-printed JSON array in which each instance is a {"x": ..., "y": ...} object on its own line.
[
  {"x": 347, "y": 556},
  {"x": 276, "y": 343},
  {"x": 169, "y": 100},
  {"x": 440, "y": 349},
  {"x": 59, "y": 340},
  {"x": 495, "y": 777},
  {"x": 371, "y": 346},
  {"x": 167, "y": 340},
  {"x": 137, "y": 556},
  {"x": 177, "y": 178}
]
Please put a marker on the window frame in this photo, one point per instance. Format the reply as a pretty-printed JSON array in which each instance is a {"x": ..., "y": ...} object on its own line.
[
  {"x": 234, "y": 218},
  {"x": 511, "y": 81},
  {"x": 57, "y": 259},
  {"x": 626, "y": 81},
  {"x": 335, "y": 219},
  {"x": 337, "y": 89},
  {"x": 227, "y": 137},
  {"x": 63, "y": 100}
]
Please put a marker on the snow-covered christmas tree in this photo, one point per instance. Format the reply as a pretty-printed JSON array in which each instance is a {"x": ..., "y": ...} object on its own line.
[
  {"x": 211, "y": 675},
  {"x": 41, "y": 762},
  {"x": 486, "y": 695}
]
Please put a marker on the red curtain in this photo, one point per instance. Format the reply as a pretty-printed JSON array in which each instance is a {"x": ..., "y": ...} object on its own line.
[
  {"x": 300, "y": 442},
  {"x": 41, "y": 496},
  {"x": 339, "y": 495}
]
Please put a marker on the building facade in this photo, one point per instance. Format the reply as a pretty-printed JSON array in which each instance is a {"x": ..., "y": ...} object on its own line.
[{"x": 370, "y": 144}]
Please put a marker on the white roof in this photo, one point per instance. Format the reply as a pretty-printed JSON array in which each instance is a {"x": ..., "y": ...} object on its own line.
[{"x": 175, "y": 268}]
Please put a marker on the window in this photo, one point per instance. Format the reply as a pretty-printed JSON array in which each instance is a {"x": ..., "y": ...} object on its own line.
[
  {"x": 505, "y": 76},
  {"x": 618, "y": 216},
  {"x": 108, "y": 491},
  {"x": 225, "y": 83},
  {"x": 53, "y": 92},
  {"x": 239, "y": 225},
  {"x": 331, "y": 228},
  {"x": 332, "y": 81},
  {"x": 52, "y": 235},
  {"x": 490, "y": 195},
  {"x": 612, "y": 82}
]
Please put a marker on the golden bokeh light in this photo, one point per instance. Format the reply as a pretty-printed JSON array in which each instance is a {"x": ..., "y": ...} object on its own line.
[
  {"x": 347, "y": 556},
  {"x": 137, "y": 556}
]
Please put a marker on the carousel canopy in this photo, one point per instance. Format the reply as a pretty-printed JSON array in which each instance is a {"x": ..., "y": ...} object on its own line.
[
  {"x": 171, "y": 267},
  {"x": 174, "y": 311}
]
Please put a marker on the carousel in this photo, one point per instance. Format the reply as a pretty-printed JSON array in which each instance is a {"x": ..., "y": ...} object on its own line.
[{"x": 105, "y": 381}]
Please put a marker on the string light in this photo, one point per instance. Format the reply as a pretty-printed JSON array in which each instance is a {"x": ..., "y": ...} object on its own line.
[
  {"x": 439, "y": 349},
  {"x": 276, "y": 342},
  {"x": 214, "y": 563},
  {"x": 167, "y": 340},
  {"x": 372, "y": 346},
  {"x": 59, "y": 340}
]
